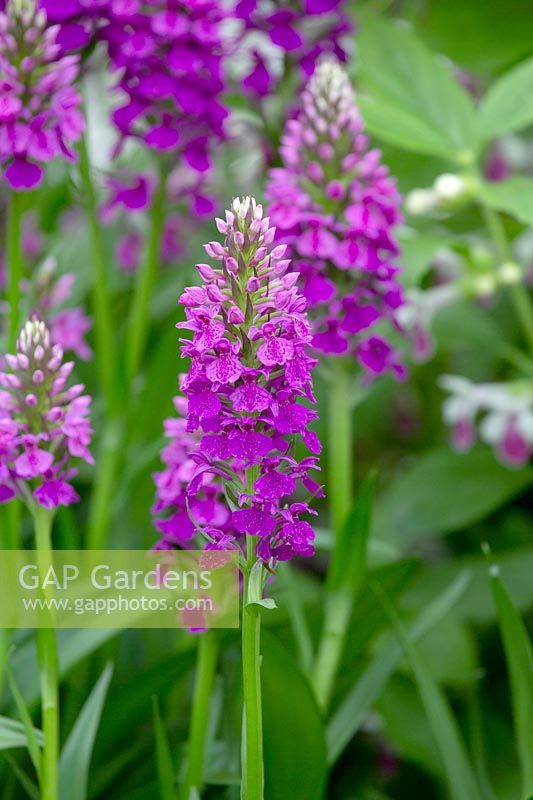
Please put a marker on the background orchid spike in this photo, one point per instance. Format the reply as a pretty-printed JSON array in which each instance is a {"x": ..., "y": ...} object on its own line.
[
  {"x": 502, "y": 412},
  {"x": 273, "y": 32},
  {"x": 68, "y": 326},
  {"x": 336, "y": 207},
  {"x": 40, "y": 113},
  {"x": 249, "y": 370},
  {"x": 169, "y": 58},
  {"x": 176, "y": 516},
  {"x": 44, "y": 424}
]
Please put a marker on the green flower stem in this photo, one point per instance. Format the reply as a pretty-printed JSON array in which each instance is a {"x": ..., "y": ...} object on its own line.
[
  {"x": 252, "y": 778},
  {"x": 48, "y": 667},
  {"x": 15, "y": 264},
  {"x": 104, "y": 485},
  {"x": 10, "y": 539},
  {"x": 106, "y": 361},
  {"x": 104, "y": 324},
  {"x": 524, "y": 310},
  {"x": 208, "y": 648},
  {"x": 519, "y": 293},
  {"x": 340, "y": 474},
  {"x": 252, "y": 750},
  {"x": 299, "y": 624},
  {"x": 140, "y": 311},
  {"x": 338, "y": 603},
  {"x": 337, "y": 613},
  {"x": 15, "y": 274}
]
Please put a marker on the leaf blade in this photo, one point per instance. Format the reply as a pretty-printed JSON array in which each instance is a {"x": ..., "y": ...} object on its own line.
[
  {"x": 508, "y": 105},
  {"x": 165, "y": 767},
  {"x": 75, "y": 758},
  {"x": 461, "y": 779},
  {"x": 519, "y": 657},
  {"x": 350, "y": 714},
  {"x": 295, "y": 753},
  {"x": 31, "y": 735},
  {"x": 403, "y": 72},
  {"x": 471, "y": 486},
  {"x": 513, "y": 196},
  {"x": 13, "y": 734}
]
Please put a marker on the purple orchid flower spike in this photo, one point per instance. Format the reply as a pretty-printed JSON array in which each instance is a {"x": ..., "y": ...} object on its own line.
[
  {"x": 40, "y": 115},
  {"x": 169, "y": 58},
  {"x": 336, "y": 207},
  {"x": 230, "y": 465},
  {"x": 44, "y": 424}
]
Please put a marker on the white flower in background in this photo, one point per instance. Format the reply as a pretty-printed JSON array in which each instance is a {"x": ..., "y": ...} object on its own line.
[
  {"x": 448, "y": 191},
  {"x": 449, "y": 186},
  {"x": 503, "y": 411},
  {"x": 420, "y": 202},
  {"x": 416, "y": 316}
]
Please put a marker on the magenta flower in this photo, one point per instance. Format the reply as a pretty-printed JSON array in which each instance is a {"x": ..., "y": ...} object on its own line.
[
  {"x": 176, "y": 516},
  {"x": 40, "y": 115},
  {"x": 129, "y": 193},
  {"x": 77, "y": 20},
  {"x": 168, "y": 56},
  {"x": 272, "y": 32},
  {"x": 68, "y": 326},
  {"x": 43, "y": 424},
  {"x": 336, "y": 206},
  {"x": 502, "y": 413},
  {"x": 249, "y": 371}
]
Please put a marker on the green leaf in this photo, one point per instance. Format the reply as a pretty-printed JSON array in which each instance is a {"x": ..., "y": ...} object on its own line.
[
  {"x": 25, "y": 781},
  {"x": 449, "y": 652},
  {"x": 13, "y": 734},
  {"x": 459, "y": 773},
  {"x": 492, "y": 37},
  {"x": 73, "y": 646},
  {"x": 349, "y": 557},
  {"x": 416, "y": 86},
  {"x": 294, "y": 744},
  {"x": 398, "y": 126},
  {"x": 513, "y": 196},
  {"x": 255, "y": 590},
  {"x": 76, "y": 756},
  {"x": 165, "y": 767},
  {"x": 345, "y": 576},
  {"x": 519, "y": 656},
  {"x": 443, "y": 491},
  {"x": 130, "y": 703},
  {"x": 463, "y": 326},
  {"x": 508, "y": 105},
  {"x": 31, "y": 734},
  {"x": 418, "y": 250},
  {"x": 347, "y": 719},
  {"x": 400, "y": 701},
  {"x": 476, "y": 605}
]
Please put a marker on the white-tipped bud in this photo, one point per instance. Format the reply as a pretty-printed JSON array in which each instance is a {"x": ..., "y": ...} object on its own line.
[
  {"x": 421, "y": 201},
  {"x": 509, "y": 273},
  {"x": 449, "y": 186},
  {"x": 484, "y": 285}
]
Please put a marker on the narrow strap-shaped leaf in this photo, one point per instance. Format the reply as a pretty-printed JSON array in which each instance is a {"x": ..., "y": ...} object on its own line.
[
  {"x": 459, "y": 773},
  {"x": 76, "y": 755},
  {"x": 165, "y": 767},
  {"x": 349, "y": 559},
  {"x": 25, "y": 781},
  {"x": 347, "y": 719},
  {"x": 13, "y": 734},
  {"x": 477, "y": 743},
  {"x": 31, "y": 734},
  {"x": 519, "y": 656},
  {"x": 345, "y": 576}
]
